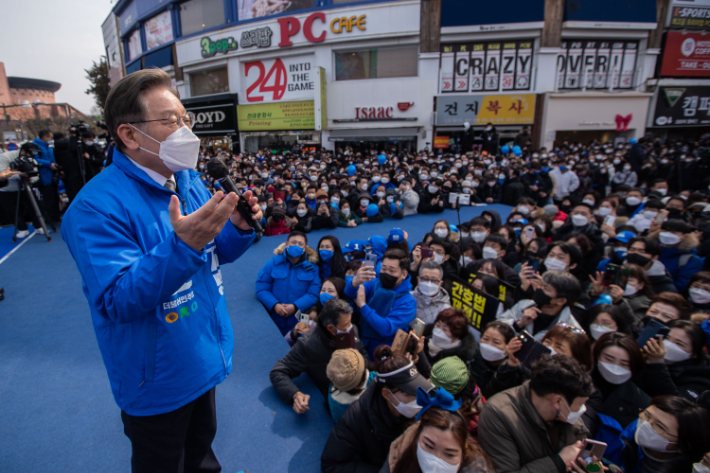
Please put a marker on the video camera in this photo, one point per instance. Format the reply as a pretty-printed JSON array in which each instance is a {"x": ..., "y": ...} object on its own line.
[
  {"x": 78, "y": 129},
  {"x": 26, "y": 162}
]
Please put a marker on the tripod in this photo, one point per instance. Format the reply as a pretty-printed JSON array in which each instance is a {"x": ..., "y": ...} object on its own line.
[{"x": 25, "y": 187}]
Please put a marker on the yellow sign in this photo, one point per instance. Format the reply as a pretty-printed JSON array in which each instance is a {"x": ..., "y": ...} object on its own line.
[
  {"x": 507, "y": 109},
  {"x": 339, "y": 24},
  {"x": 277, "y": 116},
  {"x": 323, "y": 100}
]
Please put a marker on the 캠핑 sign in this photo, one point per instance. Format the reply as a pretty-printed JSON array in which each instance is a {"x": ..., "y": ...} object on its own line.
[
  {"x": 277, "y": 116},
  {"x": 682, "y": 107},
  {"x": 482, "y": 109},
  {"x": 686, "y": 54}
]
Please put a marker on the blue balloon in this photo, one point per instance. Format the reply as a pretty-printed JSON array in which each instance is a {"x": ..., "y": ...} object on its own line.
[
  {"x": 517, "y": 151},
  {"x": 351, "y": 170},
  {"x": 505, "y": 150},
  {"x": 381, "y": 159},
  {"x": 632, "y": 141},
  {"x": 372, "y": 210}
]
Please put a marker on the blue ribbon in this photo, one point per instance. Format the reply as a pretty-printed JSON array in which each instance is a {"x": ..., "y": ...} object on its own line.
[{"x": 441, "y": 399}]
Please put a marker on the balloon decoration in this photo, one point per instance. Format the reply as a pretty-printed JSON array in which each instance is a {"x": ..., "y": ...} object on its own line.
[
  {"x": 517, "y": 151},
  {"x": 381, "y": 159},
  {"x": 372, "y": 210},
  {"x": 505, "y": 150},
  {"x": 351, "y": 170},
  {"x": 632, "y": 141}
]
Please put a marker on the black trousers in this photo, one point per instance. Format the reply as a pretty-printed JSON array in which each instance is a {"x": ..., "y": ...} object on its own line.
[
  {"x": 50, "y": 196},
  {"x": 177, "y": 441}
]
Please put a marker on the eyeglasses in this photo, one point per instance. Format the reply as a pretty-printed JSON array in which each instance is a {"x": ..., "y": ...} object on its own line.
[
  {"x": 571, "y": 328},
  {"x": 174, "y": 119},
  {"x": 425, "y": 279},
  {"x": 656, "y": 426}
]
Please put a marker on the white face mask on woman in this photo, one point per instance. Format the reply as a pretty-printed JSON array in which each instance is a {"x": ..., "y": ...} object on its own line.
[
  {"x": 553, "y": 264},
  {"x": 491, "y": 353},
  {"x": 407, "y": 409},
  {"x": 599, "y": 330},
  {"x": 430, "y": 463},
  {"x": 699, "y": 296},
  {"x": 441, "y": 232},
  {"x": 615, "y": 374},
  {"x": 647, "y": 437},
  {"x": 674, "y": 353}
]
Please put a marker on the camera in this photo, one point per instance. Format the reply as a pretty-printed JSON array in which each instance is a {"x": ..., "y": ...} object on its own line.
[
  {"x": 25, "y": 162},
  {"x": 79, "y": 128}
]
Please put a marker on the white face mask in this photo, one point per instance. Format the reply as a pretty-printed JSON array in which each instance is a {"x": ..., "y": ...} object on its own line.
[
  {"x": 674, "y": 353},
  {"x": 301, "y": 212},
  {"x": 364, "y": 203},
  {"x": 604, "y": 211},
  {"x": 439, "y": 338},
  {"x": 380, "y": 194},
  {"x": 434, "y": 174},
  {"x": 363, "y": 187},
  {"x": 489, "y": 253},
  {"x": 433, "y": 189},
  {"x": 385, "y": 180},
  {"x": 589, "y": 202},
  {"x": 408, "y": 409},
  {"x": 615, "y": 374},
  {"x": 478, "y": 237},
  {"x": 335, "y": 200},
  {"x": 376, "y": 178},
  {"x": 699, "y": 296},
  {"x": 553, "y": 264},
  {"x": 579, "y": 220},
  {"x": 649, "y": 214},
  {"x": 438, "y": 259},
  {"x": 524, "y": 210},
  {"x": 430, "y": 463},
  {"x": 465, "y": 261},
  {"x": 633, "y": 201},
  {"x": 344, "y": 193},
  {"x": 441, "y": 232},
  {"x": 491, "y": 353},
  {"x": 661, "y": 191},
  {"x": 346, "y": 213},
  {"x": 630, "y": 290},
  {"x": 262, "y": 207},
  {"x": 573, "y": 417},
  {"x": 179, "y": 151},
  {"x": 599, "y": 330},
  {"x": 668, "y": 238},
  {"x": 648, "y": 438},
  {"x": 428, "y": 288}
]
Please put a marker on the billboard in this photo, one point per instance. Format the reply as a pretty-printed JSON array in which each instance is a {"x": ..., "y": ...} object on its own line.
[
  {"x": 596, "y": 64},
  {"x": 159, "y": 30},
  {"x": 284, "y": 79},
  {"x": 689, "y": 15},
  {"x": 682, "y": 107},
  {"x": 686, "y": 55},
  {"x": 249, "y": 9},
  {"x": 454, "y": 110},
  {"x": 112, "y": 43},
  {"x": 277, "y": 116},
  {"x": 213, "y": 119}
]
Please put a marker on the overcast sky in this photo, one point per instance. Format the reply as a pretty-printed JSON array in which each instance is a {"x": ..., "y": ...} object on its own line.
[{"x": 56, "y": 42}]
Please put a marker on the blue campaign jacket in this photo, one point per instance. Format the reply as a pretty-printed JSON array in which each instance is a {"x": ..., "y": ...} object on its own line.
[
  {"x": 45, "y": 161},
  {"x": 383, "y": 315},
  {"x": 619, "y": 441},
  {"x": 670, "y": 257},
  {"x": 157, "y": 305},
  {"x": 281, "y": 282}
]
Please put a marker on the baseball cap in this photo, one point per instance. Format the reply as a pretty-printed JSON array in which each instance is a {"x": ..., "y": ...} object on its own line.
[
  {"x": 396, "y": 236},
  {"x": 406, "y": 379},
  {"x": 624, "y": 236}
]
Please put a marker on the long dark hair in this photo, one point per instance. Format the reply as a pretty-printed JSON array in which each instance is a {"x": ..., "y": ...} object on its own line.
[
  {"x": 637, "y": 272},
  {"x": 337, "y": 262},
  {"x": 693, "y": 424},
  {"x": 623, "y": 341},
  {"x": 443, "y": 420},
  {"x": 339, "y": 284},
  {"x": 695, "y": 333}
]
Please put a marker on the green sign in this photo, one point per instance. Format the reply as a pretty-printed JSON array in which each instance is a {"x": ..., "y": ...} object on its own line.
[
  {"x": 210, "y": 48},
  {"x": 277, "y": 116}
]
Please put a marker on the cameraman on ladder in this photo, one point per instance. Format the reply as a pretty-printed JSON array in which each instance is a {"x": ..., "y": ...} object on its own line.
[{"x": 49, "y": 176}]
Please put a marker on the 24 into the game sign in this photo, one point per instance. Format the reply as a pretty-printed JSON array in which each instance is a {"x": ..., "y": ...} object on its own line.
[{"x": 279, "y": 80}]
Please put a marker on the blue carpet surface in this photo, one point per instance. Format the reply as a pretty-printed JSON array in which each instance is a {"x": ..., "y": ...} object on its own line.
[{"x": 56, "y": 406}]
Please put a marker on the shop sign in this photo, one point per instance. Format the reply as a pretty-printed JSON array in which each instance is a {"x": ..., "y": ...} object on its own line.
[
  {"x": 596, "y": 64},
  {"x": 686, "y": 54},
  {"x": 280, "y": 79},
  {"x": 277, "y": 116},
  {"x": 690, "y": 18},
  {"x": 213, "y": 119},
  {"x": 210, "y": 48},
  {"x": 473, "y": 67},
  {"x": 682, "y": 106},
  {"x": 259, "y": 37},
  {"x": 159, "y": 30},
  {"x": 341, "y": 25},
  {"x": 441, "y": 142},
  {"x": 482, "y": 109}
]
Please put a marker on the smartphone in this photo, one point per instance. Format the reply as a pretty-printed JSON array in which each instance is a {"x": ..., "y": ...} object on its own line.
[
  {"x": 654, "y": 329},
  {"x": 399, "y": 344},
  {"x": 530, "y": 350},
  {"x": 530, "y": 233},
  {"x": 345, "y": 340},
  {"x": 370, "y": 260},
  {"x": 410, "y": 345},
  {"x": 280, "y": 195},
  {"x": 661, "y": 217},
  {"x": 610, "y": 274},
  {"x": 418, "y": 327},
  {"x": 426, "y": 253},
  {"x": 534, "y": 263},
  {"x": 592, "y": 448},
  {"x": 302, "y": 317},
  {"x": 609, "y": 220},
  {"x": 622, "y": 277}
]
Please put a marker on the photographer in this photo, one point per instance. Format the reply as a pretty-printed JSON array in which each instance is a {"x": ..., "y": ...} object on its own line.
[
  {"x": 93, "y": 153},
  {"x": 10, "y": 192},
  {"x": 48, "y": 173}
]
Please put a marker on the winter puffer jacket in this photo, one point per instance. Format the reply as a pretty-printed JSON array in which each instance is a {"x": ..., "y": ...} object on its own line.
[
  {"x": 680, "y": 260},
  {"x": 282, "y": 282},
  {"x": 689, "y": 378},
  {"x": 429, "y": 307},
  {"x": 466, "y": 350},
  {"x": 157, "y": 304}
]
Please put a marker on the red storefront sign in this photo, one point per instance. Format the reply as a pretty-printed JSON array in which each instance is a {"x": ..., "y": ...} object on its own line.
[
  {"x": 686, "y": 55},
  {"x": 441, "y": 142}
]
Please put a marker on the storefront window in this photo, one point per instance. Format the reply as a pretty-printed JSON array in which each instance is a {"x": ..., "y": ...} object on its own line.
[
  {"x": 214, "y": 81},
  {"x": 376, "y": 63},
  {"x": 134, "y": 45},
  {"x": 198, "y": 15},
  {"x": 158, "y": 30}
]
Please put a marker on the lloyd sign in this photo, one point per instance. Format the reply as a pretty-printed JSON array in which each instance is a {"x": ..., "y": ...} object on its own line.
[
  {"x": 213, "y": 119},
  {"x": 279, "y": 80}
]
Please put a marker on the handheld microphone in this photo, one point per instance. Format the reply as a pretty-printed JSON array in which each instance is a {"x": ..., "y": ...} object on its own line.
[{"x": 219, "y": 171}]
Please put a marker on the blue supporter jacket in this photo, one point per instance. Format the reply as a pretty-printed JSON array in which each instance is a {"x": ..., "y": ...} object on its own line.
[
  {"x": 385, "y": 312},
  {"x": 45, "y": 161},
  {"x": 670, "y": 257},
  {"x": 281, "y": 282},
  {"x": 157, "y": 305}
]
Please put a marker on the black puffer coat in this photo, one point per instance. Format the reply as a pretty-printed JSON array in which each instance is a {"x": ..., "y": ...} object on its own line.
[{"x": 688, "y": 379}]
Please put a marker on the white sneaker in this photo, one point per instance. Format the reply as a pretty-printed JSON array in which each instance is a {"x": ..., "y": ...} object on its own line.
[
  {"x": 40, "y": 230},
  {"x": 22, "y": 234}
]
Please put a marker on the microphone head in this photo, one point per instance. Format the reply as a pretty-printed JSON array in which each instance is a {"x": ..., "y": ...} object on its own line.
[{"x": 217, "y": 169}]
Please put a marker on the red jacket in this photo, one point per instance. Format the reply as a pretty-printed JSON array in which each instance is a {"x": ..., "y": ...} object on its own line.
[{"x": 276, "y": 228}]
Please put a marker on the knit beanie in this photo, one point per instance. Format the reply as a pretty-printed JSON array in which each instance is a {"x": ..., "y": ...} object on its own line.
[
  {"x": 450, "y": 373},
  {"x": 345, "y": 369},
  {"x": 550, "y": 210}
]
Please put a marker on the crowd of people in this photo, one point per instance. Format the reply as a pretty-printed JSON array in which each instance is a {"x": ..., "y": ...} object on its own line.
[{"x": 605, "y": 249}]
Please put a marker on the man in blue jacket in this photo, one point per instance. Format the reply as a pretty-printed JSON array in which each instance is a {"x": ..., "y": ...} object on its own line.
[
  {"x": 288, "y": 282},
  {"x": 47, "y": 168},
  {"x": 385, "y": 303},
  {"x": 148, "y": 240}
]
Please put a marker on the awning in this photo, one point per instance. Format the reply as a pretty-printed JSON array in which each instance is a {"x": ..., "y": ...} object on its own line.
[{"x": 374, "y": 134}]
